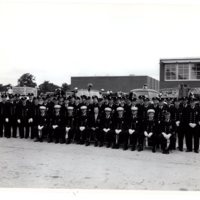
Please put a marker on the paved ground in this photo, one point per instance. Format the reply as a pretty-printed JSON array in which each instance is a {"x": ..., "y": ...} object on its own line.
[{"x": 24, "y": 163}]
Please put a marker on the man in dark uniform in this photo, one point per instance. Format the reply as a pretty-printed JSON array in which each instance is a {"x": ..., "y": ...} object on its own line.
[
  {"x": 143, "y": 108},
  {"x": 119, "y": 129},
  {"x": 82, "y": 126},
  {"x": 56, "y": 126},
  {"x": 161, "y": 109},
  {"x": 4, "y": 126},
  {"x": 101, "y": 106},
  {"x": 150, "y": 132},
  {"x": 133, "y": 128},
  {"x": 11, "y": 117},
  {"x": 94, "y": 127},
  {"x": 140, "y": 106},
  {"x": 41, "y": 125},
  {"x": 33, "y": 114},
  {"x": 176, "y": 114},
  {"x": 106, "y": 128},
  {"x": 183, "y": 122},
  {"x": 192, "y": 133},
  {"x": 167, "y": 133},
  {"x": 70, "y": 125},
  {"x": 22, "y": 118},
  {"x": 127, "y": 108}
]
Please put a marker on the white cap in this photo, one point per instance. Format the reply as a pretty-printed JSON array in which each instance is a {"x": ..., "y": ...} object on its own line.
[
  {"x": 42, "y": 108},
  {"x": 83, "y": 107},
  {"x": 151, "y": 111},
  {"x": 120, "y": 109},
  {"x": 57, "y": 106},
  {"x": 70, "y": 108},
  {"x": 134, "y": 108},
  {"x": 108, "y": 109}
]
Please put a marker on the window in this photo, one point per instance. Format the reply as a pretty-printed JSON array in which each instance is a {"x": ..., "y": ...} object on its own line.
[
  {"x": 183, "y": 71},
  {"x": 195, "y": 71},
  {"x": 170, "y": 72}
]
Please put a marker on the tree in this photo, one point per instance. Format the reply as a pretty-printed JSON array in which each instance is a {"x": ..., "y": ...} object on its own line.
[
  {"x": 27, "y": 79},
  {"x": 46, "y": 86},
  {"x": 65, "y": 87},
  {"x": 4, "y": 88}
]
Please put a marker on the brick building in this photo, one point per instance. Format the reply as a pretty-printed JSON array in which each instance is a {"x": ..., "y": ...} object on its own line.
[{"x": 115, "y": 83}]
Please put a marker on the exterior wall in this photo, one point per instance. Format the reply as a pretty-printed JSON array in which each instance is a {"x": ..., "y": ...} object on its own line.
[
  {"x": 174, "y": 84},
  {"x": 114, "y": 83}
]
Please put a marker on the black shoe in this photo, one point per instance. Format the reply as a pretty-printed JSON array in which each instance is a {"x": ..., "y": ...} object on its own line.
[
  {"x": 36, "y": 140},
  {"x": 180, "y": 149},
  {"x": 68, "y": 141},
  {"x": 96, "y": 144},
  {"x": 113, "y": 146},
  {"x": 196, "y": 151},
  {"x": 188, "y": 150},
  {"x": 49, "y": 140},
  {"x": 132, "y": 148},
  {"x": 154, "y": 150},
  {"x": 81, "y": 142},
  {"x": 101, "y": 144},
  {"x": 87, "y": 144},
  {"x": 165, "y": 152},
  {"x": 108, "y": 145},
  {"x": 140, "y": 149},
  {"x": 125, "y": 148}
]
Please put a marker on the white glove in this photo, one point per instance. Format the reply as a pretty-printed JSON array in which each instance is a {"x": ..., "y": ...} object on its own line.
[
  {"x": 55, "y": 126},
  {"x": 82, "y": 128},
  {"x": 93, "y": 128},
  {"x": 40, "y": 127},
  {"x": 164, "y": 134},
  {"x": 169, "y": 135},
  {"x": 146, "y": 134},
  {"x": 131, "y": 131},
  {"x": 150, "y": 134},
  {"x": 67, "y": 129},
  {"x": 30, "y": 120},
  {"x": 7, "y": 120},
  {"x": 117, "y": 131},
  {"x": 177, "y": 123},
  {"x": 199, "y": 122},
  {"x": 105, "y": 130},
  {"x": 18, "y": 121},
  {"x": 192, "y": 125}
]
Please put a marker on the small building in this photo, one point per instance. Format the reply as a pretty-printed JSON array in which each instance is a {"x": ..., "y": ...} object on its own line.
[
  {"x": 175, "y": 73},
  {"x": 115, "y": 83}
]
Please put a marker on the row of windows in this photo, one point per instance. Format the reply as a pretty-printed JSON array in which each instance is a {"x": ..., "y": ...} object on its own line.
[{"x": 182, "y": 71}]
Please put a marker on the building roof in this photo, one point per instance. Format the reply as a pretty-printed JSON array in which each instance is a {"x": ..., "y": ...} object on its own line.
[
  {"x": 180, "y": 60},
  {"x": 128, "y": 76}
]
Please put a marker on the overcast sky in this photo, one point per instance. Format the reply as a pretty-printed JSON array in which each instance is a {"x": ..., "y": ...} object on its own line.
[{"x": 57, "y": 39}]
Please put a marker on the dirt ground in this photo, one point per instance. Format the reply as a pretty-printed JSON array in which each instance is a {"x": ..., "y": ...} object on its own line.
[{"x": 26, "y": 164}]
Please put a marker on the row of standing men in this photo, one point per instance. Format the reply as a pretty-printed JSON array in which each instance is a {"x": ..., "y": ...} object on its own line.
[{"x": 114, "y": 122}]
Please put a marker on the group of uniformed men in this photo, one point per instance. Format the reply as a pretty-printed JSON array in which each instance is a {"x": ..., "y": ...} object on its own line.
[{"x": 116, "y": 122}]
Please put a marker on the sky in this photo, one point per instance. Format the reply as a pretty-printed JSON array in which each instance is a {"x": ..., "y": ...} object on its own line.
[{"x": 57, "y": 39}]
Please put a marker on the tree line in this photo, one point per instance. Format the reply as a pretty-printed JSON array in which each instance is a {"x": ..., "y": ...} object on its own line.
[{"x": 28, "y": 80}]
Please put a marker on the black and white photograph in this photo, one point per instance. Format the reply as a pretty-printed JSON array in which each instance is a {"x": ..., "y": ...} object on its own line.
[{"x": 100, "y": 95}]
